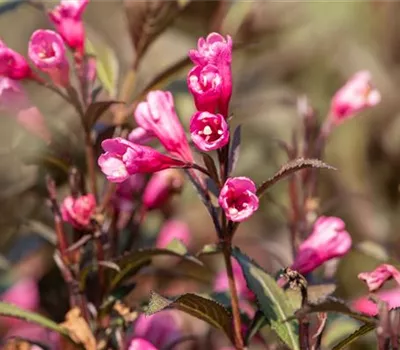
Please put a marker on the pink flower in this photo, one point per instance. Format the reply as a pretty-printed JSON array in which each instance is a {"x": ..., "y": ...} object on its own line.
[
  {"x": 78, "y": 211},
  {"x": 126, "y": 190},
  {"x": 67, "y": 17},
  {"x": 47, "y": 52},
  {"x": 238, "y": 198},
  {"x": 35, "y": 333},
  {"x": 160, "y": 329},
  {"x": 140, "y": 344},
  {"x": 14, "y": 100},
  {"x": 157, "y": 116},
  {"x": 123, "y": 159},
  {"x": 173, "y": 229},
  {"x": 366, "y": 306},
  {"x": 379, "y": 276},
  {"x": 356, "y": 95},
  {"x": 209, "y": 131},
  {"x": 205, "y": 84},
  {"x": 12, "y": 64},
  {"x": 140, "y": 136},
  {"x": 161, "y": 186},
  {"x": 328, "y": 240}
]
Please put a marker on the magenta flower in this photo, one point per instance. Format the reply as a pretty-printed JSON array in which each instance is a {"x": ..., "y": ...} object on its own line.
[
  {"x": 78, "y": 211},
  {"x": 14, "y": 100},
  {"x": 173, "y": 229},
  {"x": 366, "y": 306},
  {"x": 329, "y": 239},
  {"x": 356, "y": 95},
  {"x": 67, "y": 17},
  {"x": 238, "y": 198},
  {"x": 158, "y": 117},
  {"x": 140, "y": 344},
  {"x": 161, "y": 187},
  {"x": 209, "y": 131},
  {"x": 47, "y": 52},
  {"x": 12, "y": 64},
  {"x": 205, "y": 84},
  {"x": 379, "y": 276},
  {"x": 123, "y": 159}
]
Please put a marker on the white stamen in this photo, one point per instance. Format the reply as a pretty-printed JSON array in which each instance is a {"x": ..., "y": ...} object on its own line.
[
  {"x": 220, "y": 132},
  {"x": 207, "y": 130}
]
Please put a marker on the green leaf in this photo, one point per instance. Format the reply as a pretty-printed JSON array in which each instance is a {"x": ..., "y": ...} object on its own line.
[
  {"x": 195, "y": 305},
  {"x": 106, "y": 65},
  {"x": 14, "y": 311},
  {"x": 290, "y": 168},
  {"x": 132, "y": 262},
  {"x": 209, "y": 249},
  {"x": 95, "y": 111},
  {"x": 271, "y": 299},
  {"x": 364, "y": 329},
  {"x": 316, "y": 294},
  {"x": 259, "y": 321}
]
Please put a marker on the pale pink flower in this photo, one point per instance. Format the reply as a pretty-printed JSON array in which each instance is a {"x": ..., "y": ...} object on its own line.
[
  {"x": 356, "y": 95},
  {"x": 209, "y": 131},
  {"x": 173, "y": 229},
  {"x": 78, "y": 211},
  {"x": 158, "y": 116},
  {"x": 15, "y": 101},
  {"x": 47, "y": 52},
  {"x": 366, "y": 306},
  {"x": 140, "y": 344},
  {"x": 67, "y": 17},
  {"x": 35, "y": 333},
  {"x": 140, "y": 135},
  {"x": 161, "y": 186},
  {"x": 379, "y": 276},
  {"x": 205, "y": 84},
  {"x": 123, "y": 159},
  {"x": 238, "y": 198},
  {"x": 329, "y": 239},
  {"x": 12, "y": 64}
]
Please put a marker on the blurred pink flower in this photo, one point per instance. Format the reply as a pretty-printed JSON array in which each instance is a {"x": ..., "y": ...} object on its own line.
[
  {"x": 209, "y": 131},
  {"x": 160, "y": 187},
  {"x": 14, "y": 100},
  {"x": 140, "y": 135},
  {"x": 173, "y": 229},
  {"x": 160, "y": 329},
  {"x": 356, "y": 95},
  {"x": 329, "y": 239},
  {"x": 367, "y": 306},
  {"x": 238, "y": 198},
  {"x": 126, "y": 190},
  {"x": 47, "y": 52},
  {"x": 67, "y": 17},
  {"x": 35, "y": 333},
  {"x": 205, "y": 84},
  {"x": 12, "y": 64},
  {"x": 140, "y": 344},
  {"x": 379, "y": 276},
  {"x": 157, "y": 116},
  {"x": 123, "y": 159},
  {"x": 78, "y": 211}
]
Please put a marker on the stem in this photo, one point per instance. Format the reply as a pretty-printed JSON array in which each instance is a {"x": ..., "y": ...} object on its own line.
[
  {"x": 91, "y": 164},
  {"x": 237, "y": 326}
]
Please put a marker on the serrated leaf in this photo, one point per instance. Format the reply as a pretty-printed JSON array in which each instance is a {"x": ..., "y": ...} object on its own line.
[
  {"x": 132, "y": 262},
  {"x": 271, "y": 299},
  {"x": 290, "y": 168},
  {"x": 14, "y": 311},
  {"x": 235, "y": 149},
  {"x": 195, "y": 305},
  {"x": 364, "y": 329},
  {"x": 96, "y": 110},
  {"x": 259, "y": 321}
]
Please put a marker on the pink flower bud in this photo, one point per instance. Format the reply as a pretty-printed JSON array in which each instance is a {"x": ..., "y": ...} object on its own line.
[
  {"x": 140, "y": 136},
  {"x": 47, "y": 52},
  {"x": 13, "y": 65},
  {"x": 78, "y": 211},
  {"x": 238, "y": 198},
  {"x": 356, "y": 95},
  {"x": 379, "y": 276},
  {"x": 157, "y": 116},
  {"x": 328, "y": 240},
  {"x": 67, "y": 17},
  {"x": 126, "y": 190},
  {"x": 205, "y": 84},
  {"x": 209, "y": 131},
  {"x": 161, "y": 186},
  {"x": 366, "y": 306},
  {"x": 173, "y": 229},
  {"x": 140, "y": 344},
  {"x": 160, "y": 329},
  {"x": 14, "y": 100},
  {"x": 123, "y": 159}
]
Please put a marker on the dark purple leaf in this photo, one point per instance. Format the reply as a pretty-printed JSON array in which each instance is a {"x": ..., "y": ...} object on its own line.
[
  {"x": 235, "y": 149},
  {"x": 96, "y": 110}
]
